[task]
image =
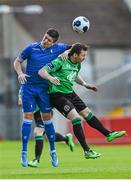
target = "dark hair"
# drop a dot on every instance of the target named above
(53, 33)
(77, 48)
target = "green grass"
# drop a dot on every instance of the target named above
(114, 164)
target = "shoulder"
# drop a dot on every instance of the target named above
(34, 44)
(25, 53)
(62, 45)
(31, 45)
(58, 61)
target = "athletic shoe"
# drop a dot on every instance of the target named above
(24, 159)
(114, 135)
(54, 159)
(34, 163)
(70, 141)
(92, 154)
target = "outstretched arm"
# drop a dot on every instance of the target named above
(81, 82)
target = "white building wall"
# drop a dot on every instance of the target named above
(14, 35)
(109, 57)
(107, 60)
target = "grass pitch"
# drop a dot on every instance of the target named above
(114, 164)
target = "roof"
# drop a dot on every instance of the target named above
(110, 21)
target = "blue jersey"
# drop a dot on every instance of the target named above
(37, 56)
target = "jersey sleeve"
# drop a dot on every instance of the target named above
(25, 53)
(55, 65)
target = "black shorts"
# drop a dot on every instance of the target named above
(64, 103)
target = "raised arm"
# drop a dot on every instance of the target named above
(81, 82)
(64, 55)
(64, 49)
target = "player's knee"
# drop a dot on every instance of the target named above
(85, 113)
(28, 115)
(38, 131)
(46, 116)
(73, 114)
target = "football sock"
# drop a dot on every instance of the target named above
(38, 147)
(95, 123)
(59, 137)
(25, 130)
(78, 131)
(50, 132)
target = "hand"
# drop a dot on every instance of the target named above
(22, 78)
(92, 87)
(54, 80)
(64, 55)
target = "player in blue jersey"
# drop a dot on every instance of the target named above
(34, 88)
(39, 135)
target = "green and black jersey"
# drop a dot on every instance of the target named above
(66, 72)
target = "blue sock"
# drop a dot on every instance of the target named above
(50, 132)
(25, 130)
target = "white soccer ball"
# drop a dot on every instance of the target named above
(81, 24)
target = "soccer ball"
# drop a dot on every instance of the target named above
(81, 24)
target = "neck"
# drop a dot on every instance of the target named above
(73, 60)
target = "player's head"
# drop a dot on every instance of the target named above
(78, 52)
(50, 37)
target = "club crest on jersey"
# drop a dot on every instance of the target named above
(50, 65)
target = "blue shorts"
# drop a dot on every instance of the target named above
(33, 95)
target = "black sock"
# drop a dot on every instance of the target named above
(37, 116)
(59, 137)
(78, 131)
(95, 123)
(38, 147)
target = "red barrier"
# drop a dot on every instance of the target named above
(116, 124)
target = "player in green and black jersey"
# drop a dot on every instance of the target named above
(61, 76)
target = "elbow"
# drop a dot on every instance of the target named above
(16, 63)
